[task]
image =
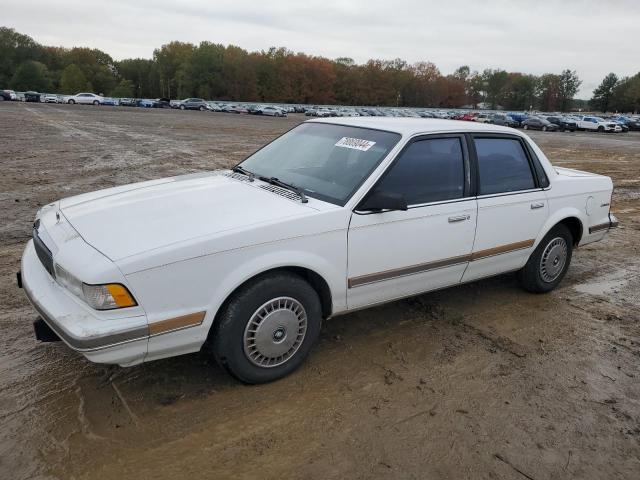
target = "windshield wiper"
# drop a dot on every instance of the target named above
(288, 186)
(239, 169)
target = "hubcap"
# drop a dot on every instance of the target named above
(275, 332)
(553, 259)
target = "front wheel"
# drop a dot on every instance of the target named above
(601, 129)
(544, 128)
(268, 328)
(182, 107)
(526, 127)
(549, 262)
(201, 108)
(71, 102)
(96, 102)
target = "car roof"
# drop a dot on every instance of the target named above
(409, 126)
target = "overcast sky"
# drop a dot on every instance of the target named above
(594, 37)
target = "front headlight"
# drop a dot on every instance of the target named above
(101, 297)
(107, 297)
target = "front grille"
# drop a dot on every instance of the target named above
(44, 254)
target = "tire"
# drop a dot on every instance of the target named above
(182, 107)
(600, 129)
(71, 102)
(201, 108)
(549, 262)
(96, 103)
(271, 358)
(526, 127)
(544, 128)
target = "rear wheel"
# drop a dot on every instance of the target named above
(268, 328)
(201, 108)
(544, 128)
(182, 107)
(71, 101)
(549, 262)
(526, 127)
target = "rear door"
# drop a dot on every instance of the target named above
(393, 254)
(512, 204)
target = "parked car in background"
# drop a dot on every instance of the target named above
(598, 124)
(272, 111)
(468, 117)
(332, 217)
(323, 113)
(565, 124)
(161, 103)
(86, 99)
(194, 104)
(8, 95)
(49, 98)
(518, 117)
(504, 120)
(32, 96)
(112, 102)
(483, 118)
(539, 123)
(144, 103)
(631, 123)
(128, 102)
(237, 109)
(623, 126)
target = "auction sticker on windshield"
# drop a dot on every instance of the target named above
(355, 143)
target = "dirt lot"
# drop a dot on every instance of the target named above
(480, 381)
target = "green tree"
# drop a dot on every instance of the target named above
(73, 81)
(31, 75)
(123, 90)
(568, 85)
(601, 99)
(15, 48)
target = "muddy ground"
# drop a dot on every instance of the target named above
(479, 381)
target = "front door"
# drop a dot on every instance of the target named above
(393, 254)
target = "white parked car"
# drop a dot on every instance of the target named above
(49, 98)
(335, 215)
(86, 99)
(272, 111)
(598, 124)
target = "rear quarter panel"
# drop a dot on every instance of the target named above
(582, 195)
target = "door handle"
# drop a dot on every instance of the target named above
(459, 218)
(537, 205)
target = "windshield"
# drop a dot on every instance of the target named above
(328, 162)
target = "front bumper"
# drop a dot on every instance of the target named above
(121, 340)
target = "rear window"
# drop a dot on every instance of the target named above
(503, 166)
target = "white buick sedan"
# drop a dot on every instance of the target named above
(333, 216)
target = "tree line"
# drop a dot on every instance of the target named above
(227, 72)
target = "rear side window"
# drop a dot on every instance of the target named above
(503, 166)
(427, 171)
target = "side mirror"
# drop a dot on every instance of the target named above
(380, 200)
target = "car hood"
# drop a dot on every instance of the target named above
(129, 220)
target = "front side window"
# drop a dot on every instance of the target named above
(326, 161)
(503, 166)
(430, 170)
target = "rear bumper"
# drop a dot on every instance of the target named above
(120, 340)
(612, 223)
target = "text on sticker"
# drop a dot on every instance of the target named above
(355, 143)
